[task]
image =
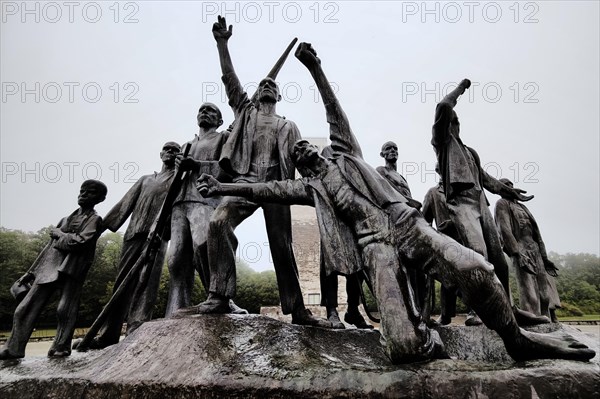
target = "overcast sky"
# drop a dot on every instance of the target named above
(93, 90)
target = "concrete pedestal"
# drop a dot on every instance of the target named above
(251, 356)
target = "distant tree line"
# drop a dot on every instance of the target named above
(578, 282)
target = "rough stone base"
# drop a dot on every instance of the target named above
(231, 356)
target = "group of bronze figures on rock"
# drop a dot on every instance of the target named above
(371, 230)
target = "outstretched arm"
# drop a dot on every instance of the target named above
(452, 97)
(222, 34)
(286, 192)
(340, 134)
(497, 187)
(119, 213)
(444, 114)
(235, 92)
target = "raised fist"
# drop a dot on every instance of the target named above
(220, 31)
(307, 54)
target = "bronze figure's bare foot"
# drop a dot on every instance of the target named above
(529, 345)
(525, 318)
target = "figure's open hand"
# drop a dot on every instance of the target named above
(220, 31)
(518, 195)
(207, 185)
(307, 54)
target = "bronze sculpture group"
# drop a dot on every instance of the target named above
(368, 222)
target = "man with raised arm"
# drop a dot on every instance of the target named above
(464, 181)
(369, 225)
(257, 151)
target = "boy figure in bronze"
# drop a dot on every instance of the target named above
(364, 221)
(62, 265)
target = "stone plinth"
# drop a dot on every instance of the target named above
(252, 356)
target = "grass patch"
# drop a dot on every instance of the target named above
(580, 318)
(38, 333)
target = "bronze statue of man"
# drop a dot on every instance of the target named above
(389, 152)
(436, 209)
(256, 151)
(329, 289)
(61, 266)
(523, 243)
(464, 181)
(142, 203)
(191, 212)
(369, 225)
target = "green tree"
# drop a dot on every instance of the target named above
(255, 289)
(578, 282)
(160, 307)
(18, 251)
(98, 285)
(370, 302)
